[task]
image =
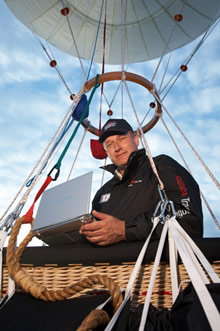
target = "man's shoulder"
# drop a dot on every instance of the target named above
(167, 162)
(166, 159)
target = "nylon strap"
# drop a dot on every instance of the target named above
(205, 298)
(173, 267)
(153, 277)
(132, 277)
(28, 216)
(208, 267)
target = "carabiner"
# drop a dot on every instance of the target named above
(56, 175)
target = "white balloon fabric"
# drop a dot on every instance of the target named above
(148, 25)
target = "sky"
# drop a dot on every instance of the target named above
(34, 100)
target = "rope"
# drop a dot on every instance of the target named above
(202, 195)
(124, 32)
(77, 153)
(103, 70)
(188, 59)
(50, 58)
(153, 166)
(39, 291)
(74, 41)
(166, 46)
(96, 39)
(103, 172)
(94, 319)
(58, 164)
(188, 142)
(26, 194)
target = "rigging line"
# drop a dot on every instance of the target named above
(58, 164)
(148, 112)
(186, 165)
(59, 139)
(210, 211)
(74, 41)
(122, 101)
(77, 153)
(124, 31)
(96, 39)
(26, 194)
(165, 72)
(24, 198)
(51, 160)
(49, 57)
(188, 142)
(61, 135)
(57, 68)
(153, 166)
(115, 94)
(166, 46)
(103, 172)
(188, 59)
(103, 70)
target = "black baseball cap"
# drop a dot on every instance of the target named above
(114, 126)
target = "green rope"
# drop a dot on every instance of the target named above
(58, 164)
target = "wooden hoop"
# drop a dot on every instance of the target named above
(118, 75)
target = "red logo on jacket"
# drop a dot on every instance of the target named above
(182, 187)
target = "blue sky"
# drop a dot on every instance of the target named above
(33, 101)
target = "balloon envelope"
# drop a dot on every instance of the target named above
(149, 25)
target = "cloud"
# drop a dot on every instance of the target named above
(34, 101)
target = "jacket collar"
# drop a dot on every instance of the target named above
(132, 163)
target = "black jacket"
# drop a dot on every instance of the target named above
(134, 197)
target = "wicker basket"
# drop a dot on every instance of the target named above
(55, 277)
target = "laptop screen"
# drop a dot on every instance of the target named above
(63, 207)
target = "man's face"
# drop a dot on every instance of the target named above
(119, 148)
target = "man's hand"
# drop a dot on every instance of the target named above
(108, 230)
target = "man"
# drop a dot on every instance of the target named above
(124, 205)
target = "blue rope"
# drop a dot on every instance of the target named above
(93, 54)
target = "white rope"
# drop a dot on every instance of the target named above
(77, 153)
(59, 129)
(133, 277)
(50, 58)
(167, 44)
(189, 58)
(144, 138)
(188, 142)
(74, 41)
(103, 172)
(124, 38)
(24, 198)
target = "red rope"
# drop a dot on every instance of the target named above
(28, 216)
(103, 70)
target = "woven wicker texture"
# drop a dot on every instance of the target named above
(58, 277)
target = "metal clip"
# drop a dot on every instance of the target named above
(11, 218)
(57, 173)
(163, 206)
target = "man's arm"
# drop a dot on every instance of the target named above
(183, 190)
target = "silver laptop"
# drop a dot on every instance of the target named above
(62, 210)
